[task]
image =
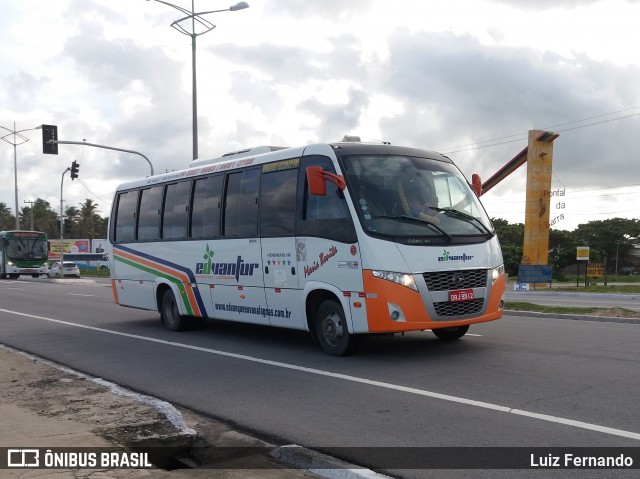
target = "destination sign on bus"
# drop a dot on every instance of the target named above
(26, 234)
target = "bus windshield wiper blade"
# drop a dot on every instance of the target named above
(469, 218)
(410, 219)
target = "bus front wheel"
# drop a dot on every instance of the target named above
(331, 329)
(170, 314)
(451, 334)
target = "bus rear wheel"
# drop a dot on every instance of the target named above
(331, 330)
(170, 314)
(451, 334)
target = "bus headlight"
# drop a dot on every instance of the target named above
(496, 273)
(403, 279)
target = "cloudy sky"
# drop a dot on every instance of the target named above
(468, 78)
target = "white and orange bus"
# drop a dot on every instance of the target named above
(341, 240)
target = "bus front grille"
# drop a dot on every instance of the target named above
(448, 308)
(456, 279)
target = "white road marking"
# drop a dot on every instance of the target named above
(79, 294)
(420, 392)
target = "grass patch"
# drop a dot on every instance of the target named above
(612, 288)
(598, 288)
(94, 273)
(593, 311)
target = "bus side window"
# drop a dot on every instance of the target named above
(324, 216)
(241, 204)
(278, 203)
(205, 210)
(126, 216)
(149, 215)
(176, 210)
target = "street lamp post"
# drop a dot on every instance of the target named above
(62, 221)
(206, 26)
(18, 139)
(617, 245)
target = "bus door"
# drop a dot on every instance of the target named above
(327, 253)
(277, 231)
(237, 289)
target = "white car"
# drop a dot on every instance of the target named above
(69, 268)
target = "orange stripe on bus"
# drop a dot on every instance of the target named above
(114, 289)
(171, 272)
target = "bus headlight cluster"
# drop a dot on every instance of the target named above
(403, 279)
(497, 272)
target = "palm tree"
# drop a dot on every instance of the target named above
(90, 224)
(7, 220)
(45, 219)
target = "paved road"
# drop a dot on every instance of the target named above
(555, 298)
(516, 382)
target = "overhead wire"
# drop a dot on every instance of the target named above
(520, 136)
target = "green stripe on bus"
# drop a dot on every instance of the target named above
(161, 274)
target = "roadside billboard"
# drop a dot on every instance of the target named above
(69, 246)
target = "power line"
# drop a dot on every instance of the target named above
(94, 195)
(522, 136)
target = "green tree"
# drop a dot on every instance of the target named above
(71, 221)
(44, 218)
(7, 220)
(606, 237)
(511, 240)
(562, 250)
(90, 225)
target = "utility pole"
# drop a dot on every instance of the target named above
(31, 208)
(62, 221)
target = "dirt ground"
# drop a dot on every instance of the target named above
(198, 446)
(66, 395)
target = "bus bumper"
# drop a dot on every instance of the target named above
(393, 308)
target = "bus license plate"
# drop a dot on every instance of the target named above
(461, 295)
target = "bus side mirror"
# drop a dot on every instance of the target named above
(316, 177)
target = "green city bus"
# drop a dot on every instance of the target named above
(23, 252)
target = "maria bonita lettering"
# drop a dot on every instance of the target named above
(322, 259)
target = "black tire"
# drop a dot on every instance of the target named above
(35, 275)
(331, 330)
(14, 276)
(451, 334)
(170, 314)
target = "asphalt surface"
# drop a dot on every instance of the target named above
(263, 342)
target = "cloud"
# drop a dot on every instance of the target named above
(336, 120)
(324, 8)
(551, 4)
(455, 88)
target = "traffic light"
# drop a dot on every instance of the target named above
(74, 170)
(49, 134)
(67, 226)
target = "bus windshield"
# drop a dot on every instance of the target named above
(24, 248)
(406, 198)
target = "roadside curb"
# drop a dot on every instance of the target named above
(578, 317)
(320, 464)
(73, 281)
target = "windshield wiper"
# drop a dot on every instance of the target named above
(409, 219)
(466, 216)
